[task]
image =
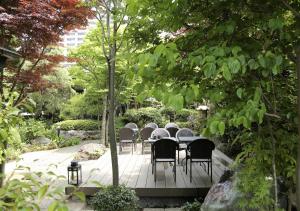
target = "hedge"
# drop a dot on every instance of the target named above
(79, 124)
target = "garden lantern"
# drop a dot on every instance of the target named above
(74, 173)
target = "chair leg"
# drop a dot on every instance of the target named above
(191, 170)
(132, 144)
(186, 163)
(178, 157)
(142, 147)
(175, 170)
(154, 171)
(211, 171)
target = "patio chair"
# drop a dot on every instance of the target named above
(200, 151)
(145, 134)
(135, 129)
(171, 124)
(172, 131)
(159, 133)
(164, 150)
(152, 124)
(131, 125)
(183, 132)
(127, 137)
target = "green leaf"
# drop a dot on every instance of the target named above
(236, 50)
(262, 61)
(209, 69)
(234, 65)
(80, 195)
(252, 64)
(42, 191)
(221, 127)
(53, 206)
(226, 73)
(239, 92)
(176, 101)
(214, 127)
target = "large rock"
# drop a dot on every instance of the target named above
(222, 196)
(82, 134)
(91, 151)
(41, 141)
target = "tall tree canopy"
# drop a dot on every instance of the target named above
(31, 27)
(240, 57)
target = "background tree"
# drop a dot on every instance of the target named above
(32, 27)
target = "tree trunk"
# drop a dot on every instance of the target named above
(298, 148)
(2, 164)
(111, 62)
(103, 123)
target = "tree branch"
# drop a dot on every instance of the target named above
(295, 12)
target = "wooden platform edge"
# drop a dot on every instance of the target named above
(148, 192)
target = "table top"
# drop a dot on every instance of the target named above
(187, 139)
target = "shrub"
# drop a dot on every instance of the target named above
(118, 198)
(195, 206)
(80, 124)
(63, 142)
(142, 116)
(185, 114)
(31, 129)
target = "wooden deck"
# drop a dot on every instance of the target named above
(135, 172)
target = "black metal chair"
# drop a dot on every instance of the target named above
(171, 124)
(152, 124)
(159, 133)
(135, 129)
(183, 132)
(132, 126)
(164, 150)
(145, 134)
(127, 137)
(200, 151)
(172, 131)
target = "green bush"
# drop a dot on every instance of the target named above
(195, 206)
(184, 114)
(31, 129)
(118, 198)
(63, 142)
(143, 116)
(79, 124)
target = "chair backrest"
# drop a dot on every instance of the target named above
(172, 131)
(131, 125)
(126, 134)
(184, 132)
(160, 133)
(201, 149)
(165, 148)
(171, 124)
(152, 124)
(146, 133)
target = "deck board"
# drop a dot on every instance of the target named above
(135, 171)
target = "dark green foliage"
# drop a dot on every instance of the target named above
(143, 116)
(184, 115)
(194, 206)
(119, 198)
(31, 129)
(79, 124)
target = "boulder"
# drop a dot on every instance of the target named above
(82, 134)
(223, 195)
(91, 151)
(41, 141)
